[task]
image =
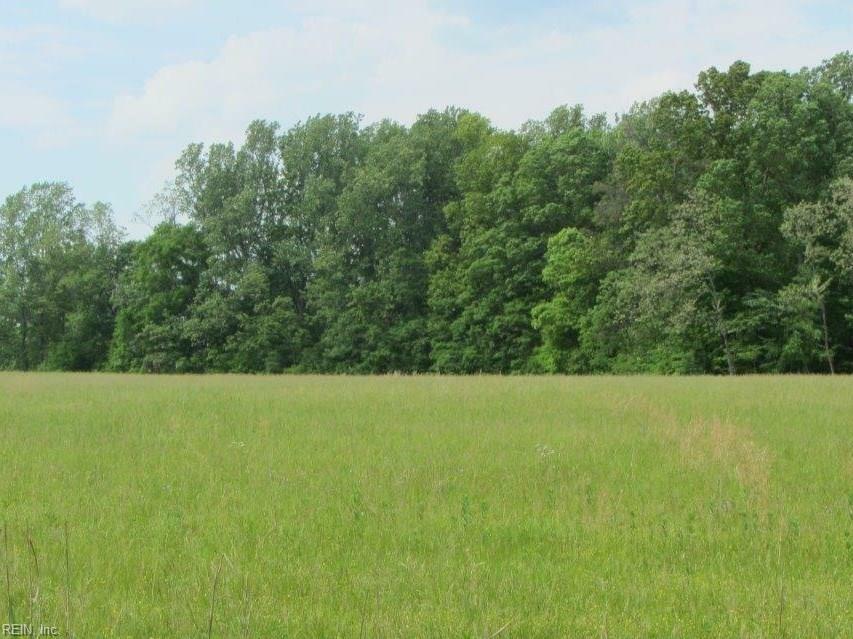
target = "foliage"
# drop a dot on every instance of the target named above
(58, 264)
(702, 231)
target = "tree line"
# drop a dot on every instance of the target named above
(704, 231)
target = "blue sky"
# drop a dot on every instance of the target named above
(104, 94)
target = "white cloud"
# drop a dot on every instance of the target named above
(24, 108)
(399, 60)
(46, 120)
(30, 57)
(26, 51)
(326, 64)
(124, 10)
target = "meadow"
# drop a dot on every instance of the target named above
(310, 506)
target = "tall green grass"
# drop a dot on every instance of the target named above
(231, 506)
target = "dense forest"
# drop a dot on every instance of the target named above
(705, 231)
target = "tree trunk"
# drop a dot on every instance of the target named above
(729, 359)
(826, 349)
(721, 328)
(25, 345)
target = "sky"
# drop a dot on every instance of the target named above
(104, 94)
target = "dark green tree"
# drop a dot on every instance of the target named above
(153, 301)
(57, 271)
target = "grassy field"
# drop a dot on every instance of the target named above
(231, 506)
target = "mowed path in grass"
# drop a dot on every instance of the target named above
(427, 506)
